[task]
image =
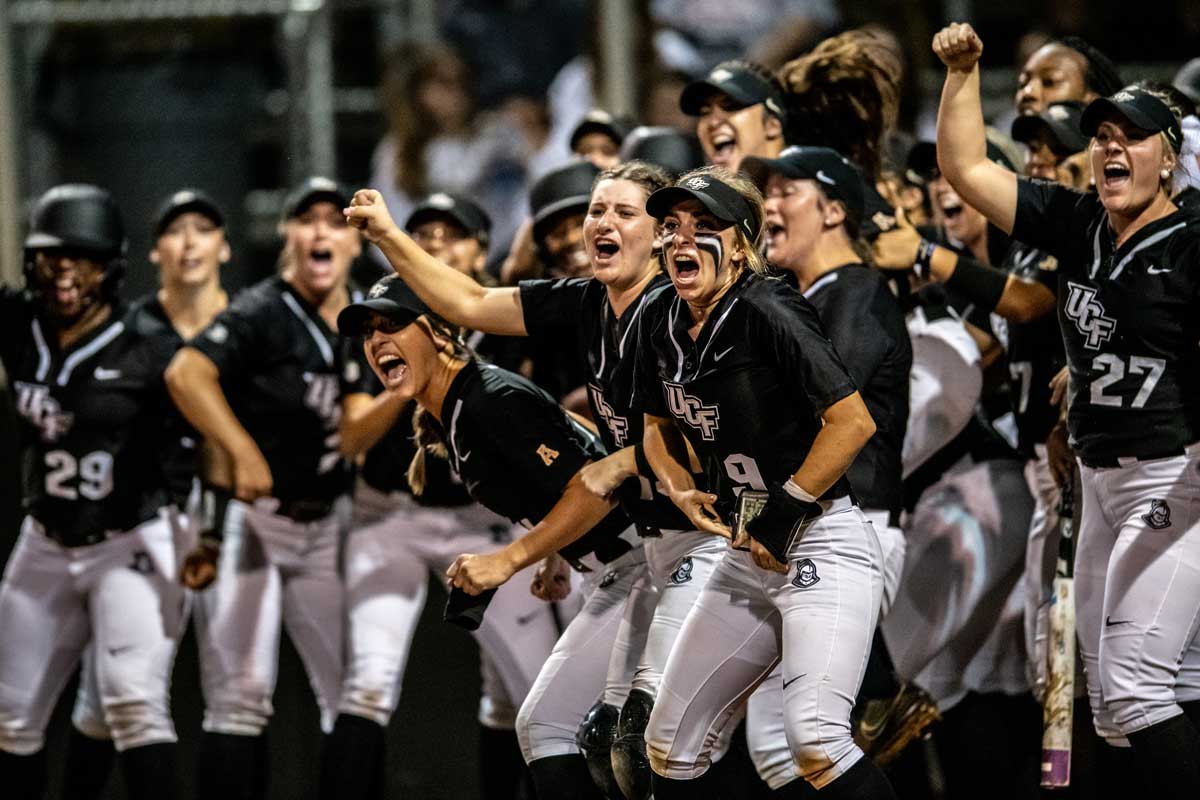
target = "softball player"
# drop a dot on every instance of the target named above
(740, 366)
(518, 453)
(398, 536)
(1125, 307)
(96, 558)
(621, 242)
(268, 381)
(739, 111)
(189, 249)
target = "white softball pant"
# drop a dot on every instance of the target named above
(272, 569)
(818, 619)
(393, 546)
(957, 623)
(1137, 584)
(120, 595)
(589, 661)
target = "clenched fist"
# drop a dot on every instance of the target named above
(370, 214)
(958, 46)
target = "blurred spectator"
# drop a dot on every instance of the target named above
(1187, 80)
(696, 35)
(674, 150)
(598, 137)
(438, 140)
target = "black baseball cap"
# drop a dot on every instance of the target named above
(315, 189)
(389, 297)
(614, 126)
(458, 209)
(1061, 119)
(839, 179)
(183, 201)
(722, 201)
(567, 188)
(739, 82)
(922, 158)
(674, 150)
(1139, 107)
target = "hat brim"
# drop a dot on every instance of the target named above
(577, 202)
(352, 320)
(691, 100)
(1100, 108)
(423, 215)
(46, 241)
(759, 169)
(1025, 129)
(201, 207)
(310, 199)
(591, 126)
(659, 204)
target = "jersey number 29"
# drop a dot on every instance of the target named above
(743, 471)
(68, 477)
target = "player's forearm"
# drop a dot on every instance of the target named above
(575, 513)
(451, 294)
(848, 426)
(194, 384)
(1013, 298)
(666, 452)
(962, 151)
(366, 419)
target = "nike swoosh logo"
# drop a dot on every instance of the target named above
(823, 178)
(465, 456)
(102, 374)
(1157, 271)
(723, 353)
(528, 618)
(1110, 622)
(113, 652)
(793, 680)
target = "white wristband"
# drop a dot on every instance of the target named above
(797, 491)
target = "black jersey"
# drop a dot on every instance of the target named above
(1129, 322)
(99, 436)
(749, 391)
(1035, 351)
(580, 307)
(285, 373)
(517, 449)
(866, 325)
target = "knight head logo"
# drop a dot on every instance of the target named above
(806, 574)
(1159, 515)
(682, 573)
(608, 580)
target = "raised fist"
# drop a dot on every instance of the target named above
(958, 46)
(369, 214)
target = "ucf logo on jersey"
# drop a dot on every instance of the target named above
(617, 425)
(1087, 313)
(35, 404)
(689, 409)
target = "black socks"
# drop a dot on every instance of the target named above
(352, 763)
(564, 778)
(232, 767)
(1169, 753)
(89, 763)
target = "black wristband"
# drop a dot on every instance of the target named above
(780, 520)
(643, 464)
(978, 283)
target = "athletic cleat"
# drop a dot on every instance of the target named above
(888, 726)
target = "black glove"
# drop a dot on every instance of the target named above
(777, 524)
(466, 610)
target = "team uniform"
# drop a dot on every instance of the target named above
(97, 559)
(747, 395)
(1128, 322)
(396, 540)
(515, 450)
(284, 373)
(679, 560)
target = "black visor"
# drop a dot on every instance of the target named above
(389, 298)
(722, 201)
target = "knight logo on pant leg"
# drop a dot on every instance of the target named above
(806, 574)
(682, 573)
(1159, 516)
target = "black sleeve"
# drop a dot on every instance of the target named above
(356, 374)
(788, 329)
(857, 322)
(1048, 214)
(534, 437)
(233, 340)
(552, 306)
(15, 311)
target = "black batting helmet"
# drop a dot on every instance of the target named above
(566, 189)
(83, 218)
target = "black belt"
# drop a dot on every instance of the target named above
(304, 509)
(1113, 462)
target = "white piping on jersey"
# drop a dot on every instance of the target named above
(674, 315)
(313, 331)
(630, 324)
(1096, 250)
(824, 280)
(458, 460)
(1149, 240)
(43, 351)
(87, 351)
(475, 339)
(712, 336)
